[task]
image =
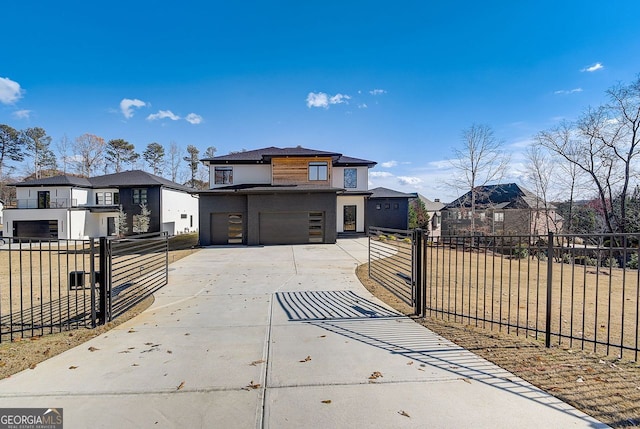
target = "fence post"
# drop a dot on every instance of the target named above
(547, 338)
(92, 268)
(104, 279)
(418, 268)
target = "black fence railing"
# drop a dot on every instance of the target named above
(46, 286)
(55, 285)
(578, 291)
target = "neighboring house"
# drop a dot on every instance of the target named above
(283, 196)
(435, 216)
(76, 207)
(387, 208)
(506, 209)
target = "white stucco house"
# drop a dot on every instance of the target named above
(70, 207)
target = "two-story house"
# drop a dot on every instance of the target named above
(433, 208)
(76, 207)
(387, 208)
(506, 209)
(283, 196)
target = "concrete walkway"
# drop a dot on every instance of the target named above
(278, 337)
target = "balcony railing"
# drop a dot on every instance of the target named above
(54, 203)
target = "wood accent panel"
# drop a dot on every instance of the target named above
(295, 171)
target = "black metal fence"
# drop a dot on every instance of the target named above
(575, 291)
(54, 285)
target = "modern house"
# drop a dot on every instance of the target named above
(283, 196)
(507, 209)
(387, 208)
(435, 216)
(76, 207)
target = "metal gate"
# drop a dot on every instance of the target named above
(136, 267)
(392, 262)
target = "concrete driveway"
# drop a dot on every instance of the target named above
(279, 337)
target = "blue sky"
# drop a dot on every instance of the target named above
(393, 82)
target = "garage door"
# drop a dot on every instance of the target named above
(290, 228)
(36, 228)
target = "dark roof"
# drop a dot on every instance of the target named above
(115, 180)
(390, 193)
(62, 180)
(267, 153)
(133, 178)
(507, 196)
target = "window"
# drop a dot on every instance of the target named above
(396, 206)
(387, 206)
(139, 196)
(498, 217)
(183, 216)
(116, 198)
(318, 171)
(44, 199)
(482, 216)
(103, 198)
(223, 175)
(350, 178)
(378, 206)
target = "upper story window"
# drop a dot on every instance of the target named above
(498, 217)
(318, 170)
(139, 196)
(107, 198)
(223, 175)
(350, 178)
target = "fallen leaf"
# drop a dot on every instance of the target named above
(92, 349)
(252, 385)
(169, 351)
(256, 362)
(33, 366)
(580, 380)
(134, 364)
(322, 336)
(326, 401)
(466, 380)
(180, 386)
(410, 363)
(374, 375)
(404, 413)
(307, 359)
(131, 331)
(73, 367)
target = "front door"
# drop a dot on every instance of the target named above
(349, 219)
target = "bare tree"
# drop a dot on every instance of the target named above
(89, 150)
(479, 161)
(604, 145)
(539, 174)
(174, 160)
(64, 148)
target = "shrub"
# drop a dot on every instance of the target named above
(407, 240)
(520, 251)
(611, 263)
(633, 261)
(392, 238)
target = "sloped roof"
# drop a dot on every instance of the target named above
(431, 206)
(115, 180)
(390, 193)
(508, 196)
(267, 153)
(61, 180)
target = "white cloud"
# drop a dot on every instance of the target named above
(409, 180)
(127, 105)
(377, 92)
(321, 99)
(339, 99)
(568, 91)
(162, 114)
(380, 174)
(193, 118)
(389, 164)
(362, 106)
(22, 114)
(595, 67)
(10, 91)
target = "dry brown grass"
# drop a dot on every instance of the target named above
(603, 387)
(590, 303)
